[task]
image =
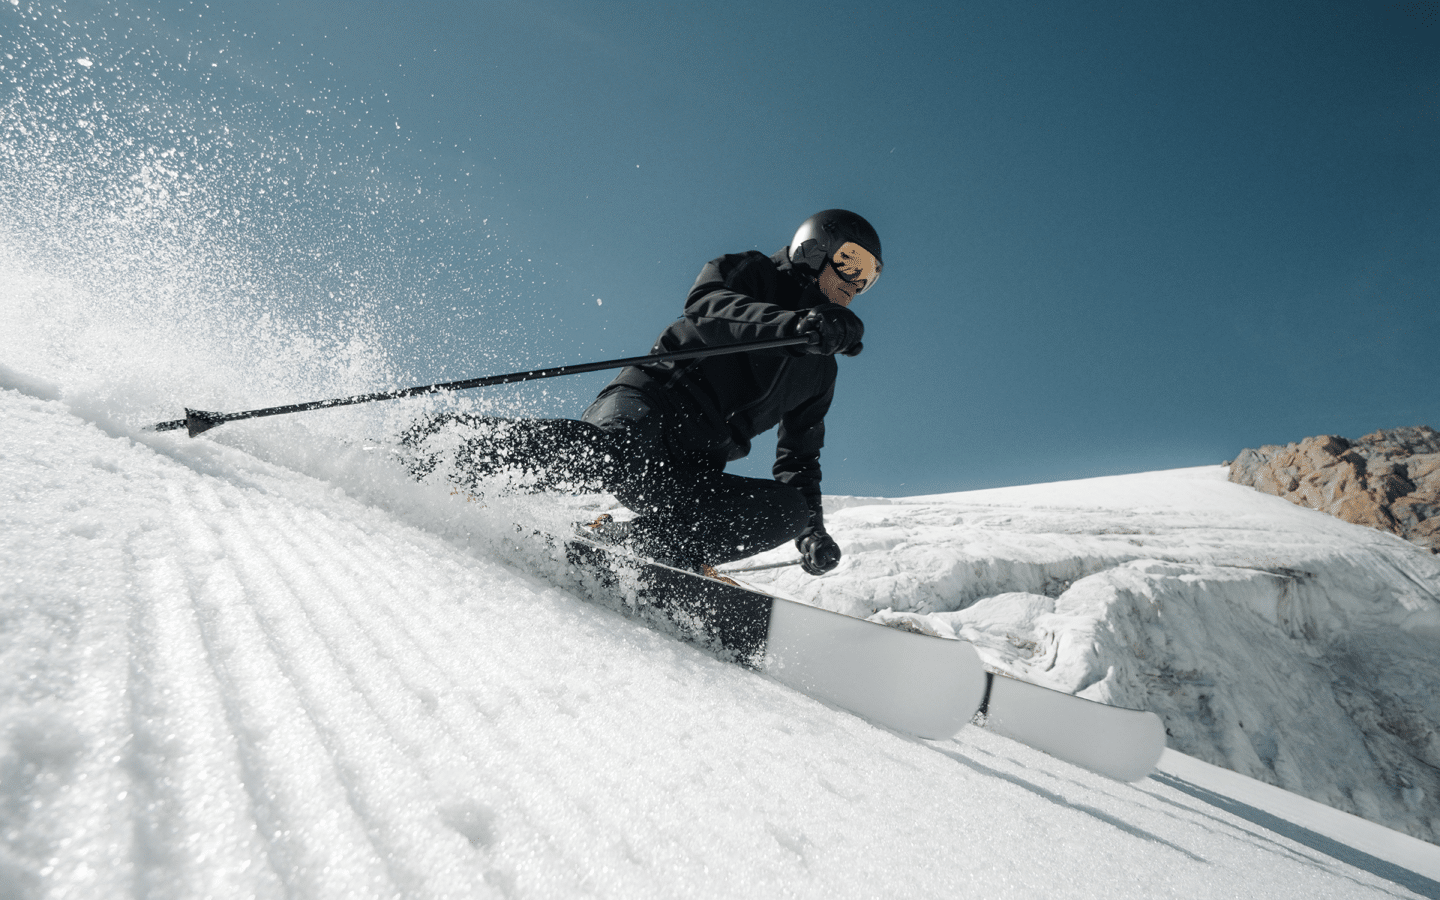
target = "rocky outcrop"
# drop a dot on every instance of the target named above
(1388, 480)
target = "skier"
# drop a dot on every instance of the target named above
(659, 435)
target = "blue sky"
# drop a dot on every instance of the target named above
(1118, 236)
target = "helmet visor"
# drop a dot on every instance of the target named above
(856, 265)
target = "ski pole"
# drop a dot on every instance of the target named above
(197, 421)
(779, 565)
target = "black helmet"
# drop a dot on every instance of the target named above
(822, 235)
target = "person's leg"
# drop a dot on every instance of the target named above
(716, 518)
(689, 511)
(535, 454)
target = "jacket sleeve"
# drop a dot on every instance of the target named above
(733, 301)
(797, 452)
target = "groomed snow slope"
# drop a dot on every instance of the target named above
(266, 665)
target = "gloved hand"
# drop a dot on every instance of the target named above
(818, 552)
(840, 330)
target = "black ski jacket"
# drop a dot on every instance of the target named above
(724, 401)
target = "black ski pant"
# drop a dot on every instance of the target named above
(689, 510)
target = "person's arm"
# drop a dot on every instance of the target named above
(797, 452)
(732, 301)
(797, 462)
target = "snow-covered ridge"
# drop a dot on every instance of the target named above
(1273, 640)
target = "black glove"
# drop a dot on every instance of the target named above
(818, 552)
(840, 330)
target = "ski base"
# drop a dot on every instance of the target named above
(1124, 744)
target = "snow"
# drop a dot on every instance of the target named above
(1272, 640)
(266, 663)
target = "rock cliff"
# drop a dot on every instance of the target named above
(1388, 480)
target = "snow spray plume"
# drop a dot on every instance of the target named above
(175, 218)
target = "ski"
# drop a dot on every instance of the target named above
(1124, 744)
(916, 683)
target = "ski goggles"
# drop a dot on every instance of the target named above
(856, 265)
